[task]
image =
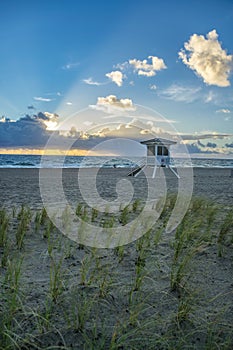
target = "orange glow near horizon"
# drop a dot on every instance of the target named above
(52, 152)
(42, 152)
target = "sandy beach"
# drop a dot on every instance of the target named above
(162, 291)
(21, 186)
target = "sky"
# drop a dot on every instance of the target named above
(99, 69)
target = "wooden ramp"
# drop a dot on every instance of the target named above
(135, 171)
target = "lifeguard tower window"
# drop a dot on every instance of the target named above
(162, 151)
(150, 151)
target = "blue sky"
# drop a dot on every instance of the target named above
(55, 56)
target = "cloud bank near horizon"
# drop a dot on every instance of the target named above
(31, 132)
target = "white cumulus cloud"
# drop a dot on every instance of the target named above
(146, 68)
(223, 110)
(42, 99)
(89, 81)
(153, 87)
(111, 103)
(116, 77)
(180, 93)
(206, 57)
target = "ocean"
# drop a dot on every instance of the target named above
(34, 161)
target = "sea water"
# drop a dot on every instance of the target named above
(36, 161)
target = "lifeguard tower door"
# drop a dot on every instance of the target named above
(162, 156)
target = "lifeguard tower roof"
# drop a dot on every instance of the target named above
(158, 141)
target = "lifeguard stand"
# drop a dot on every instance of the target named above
(158, 155)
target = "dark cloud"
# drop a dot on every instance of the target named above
(31, 107)
(204, 136)
(41, 116)
(46, 116)
(229, 145)
(30, 131)
(211, 145)
(195, 148)
(27, 131)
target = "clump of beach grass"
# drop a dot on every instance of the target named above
(4, 222)
(225, 236)
(24, 218)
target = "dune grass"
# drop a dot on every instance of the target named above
(163, 291)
